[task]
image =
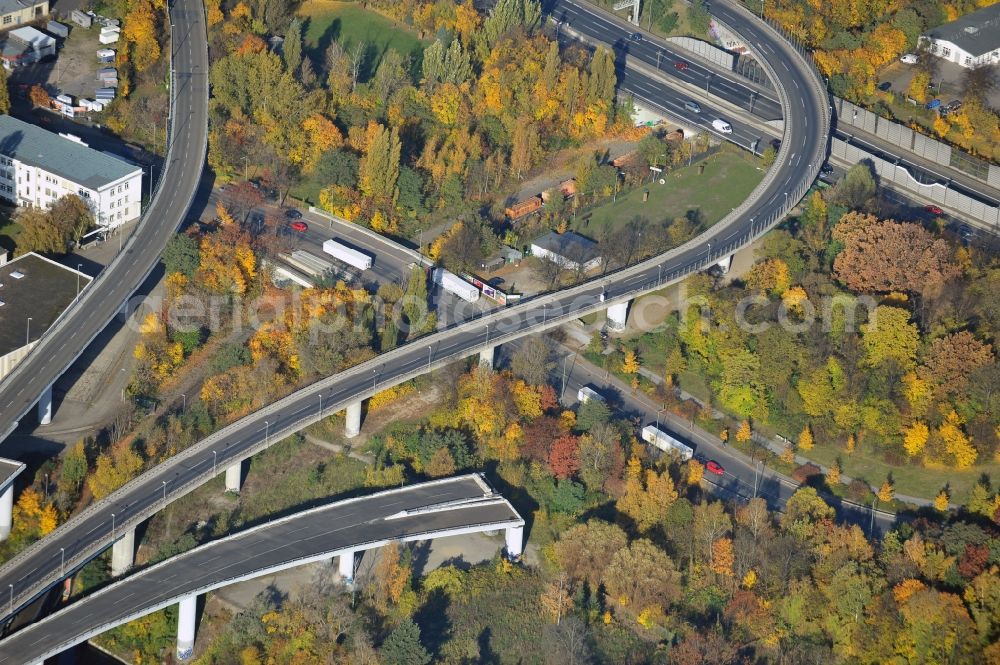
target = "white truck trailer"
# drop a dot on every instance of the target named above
(454, 284)
(348, 255)
(586, 393)
(660, 439)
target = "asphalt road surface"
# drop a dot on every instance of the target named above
(39, 567)
(98, 304)
(305, 536)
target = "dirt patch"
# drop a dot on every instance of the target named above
(562, 164)
(74, 71)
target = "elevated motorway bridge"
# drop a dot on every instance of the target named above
(450, 507)
(113, 520)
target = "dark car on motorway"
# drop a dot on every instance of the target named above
(636, 36)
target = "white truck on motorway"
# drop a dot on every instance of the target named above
(348, 255)
(452, 283)
(657, 437)
(586, 393)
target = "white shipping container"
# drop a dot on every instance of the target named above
(665, 442)
(348, 255)
(587, 393)
(454, 284)
(109, 38)
(110, 28)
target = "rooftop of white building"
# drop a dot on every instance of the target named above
(60, 156)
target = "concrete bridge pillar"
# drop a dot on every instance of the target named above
(346, 567)
(486, 356)
(123, 553)
(515, 541)
(186, 615)
(45, 407)
(352, 424)
(725, 263)
(618, 315)
(6, 511)
(234, 477)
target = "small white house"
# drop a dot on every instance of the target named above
(970, 41)
(26, 46)
(569, 250)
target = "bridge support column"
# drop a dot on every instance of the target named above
(346, 567)
(352, 424)
(515, 541)
(186, 615)
(123, 554)
(234, 477)
(618, 315)
(6, 511)
(486, 357)
(45, 407)
(725, 263)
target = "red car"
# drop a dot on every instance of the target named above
(681, 65)
(934, 210)
(301, 227)
(715, 467)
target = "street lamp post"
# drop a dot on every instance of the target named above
(545, 313)
(62, 561)
(78, 266)
(164, 491)
(184, 400)
(756, 470)
(708, 81)
(320, 404)
(267, 428)
(112, 526)
(428, 357)
(11, 598)
(658, 417)
(215, 462)
(374, 379)
(27, 333)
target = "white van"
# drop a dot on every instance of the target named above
(909, 58)
(721, 125)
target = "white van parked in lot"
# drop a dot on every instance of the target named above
(721, 125)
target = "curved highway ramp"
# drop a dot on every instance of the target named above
(448, 507)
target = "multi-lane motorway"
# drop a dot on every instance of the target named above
(82, 322)
(455, 505)
(806, 128)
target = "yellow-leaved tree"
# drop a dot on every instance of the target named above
(915, 438)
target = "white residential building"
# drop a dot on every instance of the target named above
(38, 167)
(971, 41)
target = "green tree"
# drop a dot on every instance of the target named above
(291, 49)
(889, 335)
(699, 18)
(856, 188)
(181, 255)
(602, 77)
(4, 93)
(74, 469)
(415, 312)
(378, 170)
(403, 646)
(592, 412)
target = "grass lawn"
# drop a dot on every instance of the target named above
(8, 228)
(727, 179)
(327, 21)
(912, 480)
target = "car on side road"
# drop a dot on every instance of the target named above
(933, 209)
(933, 104)
(299, 226)
(909, 58)
(292, 213)
(722, 126)
(885, 86)
(714, 467)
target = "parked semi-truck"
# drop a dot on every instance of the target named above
(657, 437)
(348, 255)
(452, 283)
(586, 393)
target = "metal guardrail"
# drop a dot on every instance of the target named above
(204, 447)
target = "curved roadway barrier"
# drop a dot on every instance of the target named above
(448, 507)
(806, 109)
(79, 324)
